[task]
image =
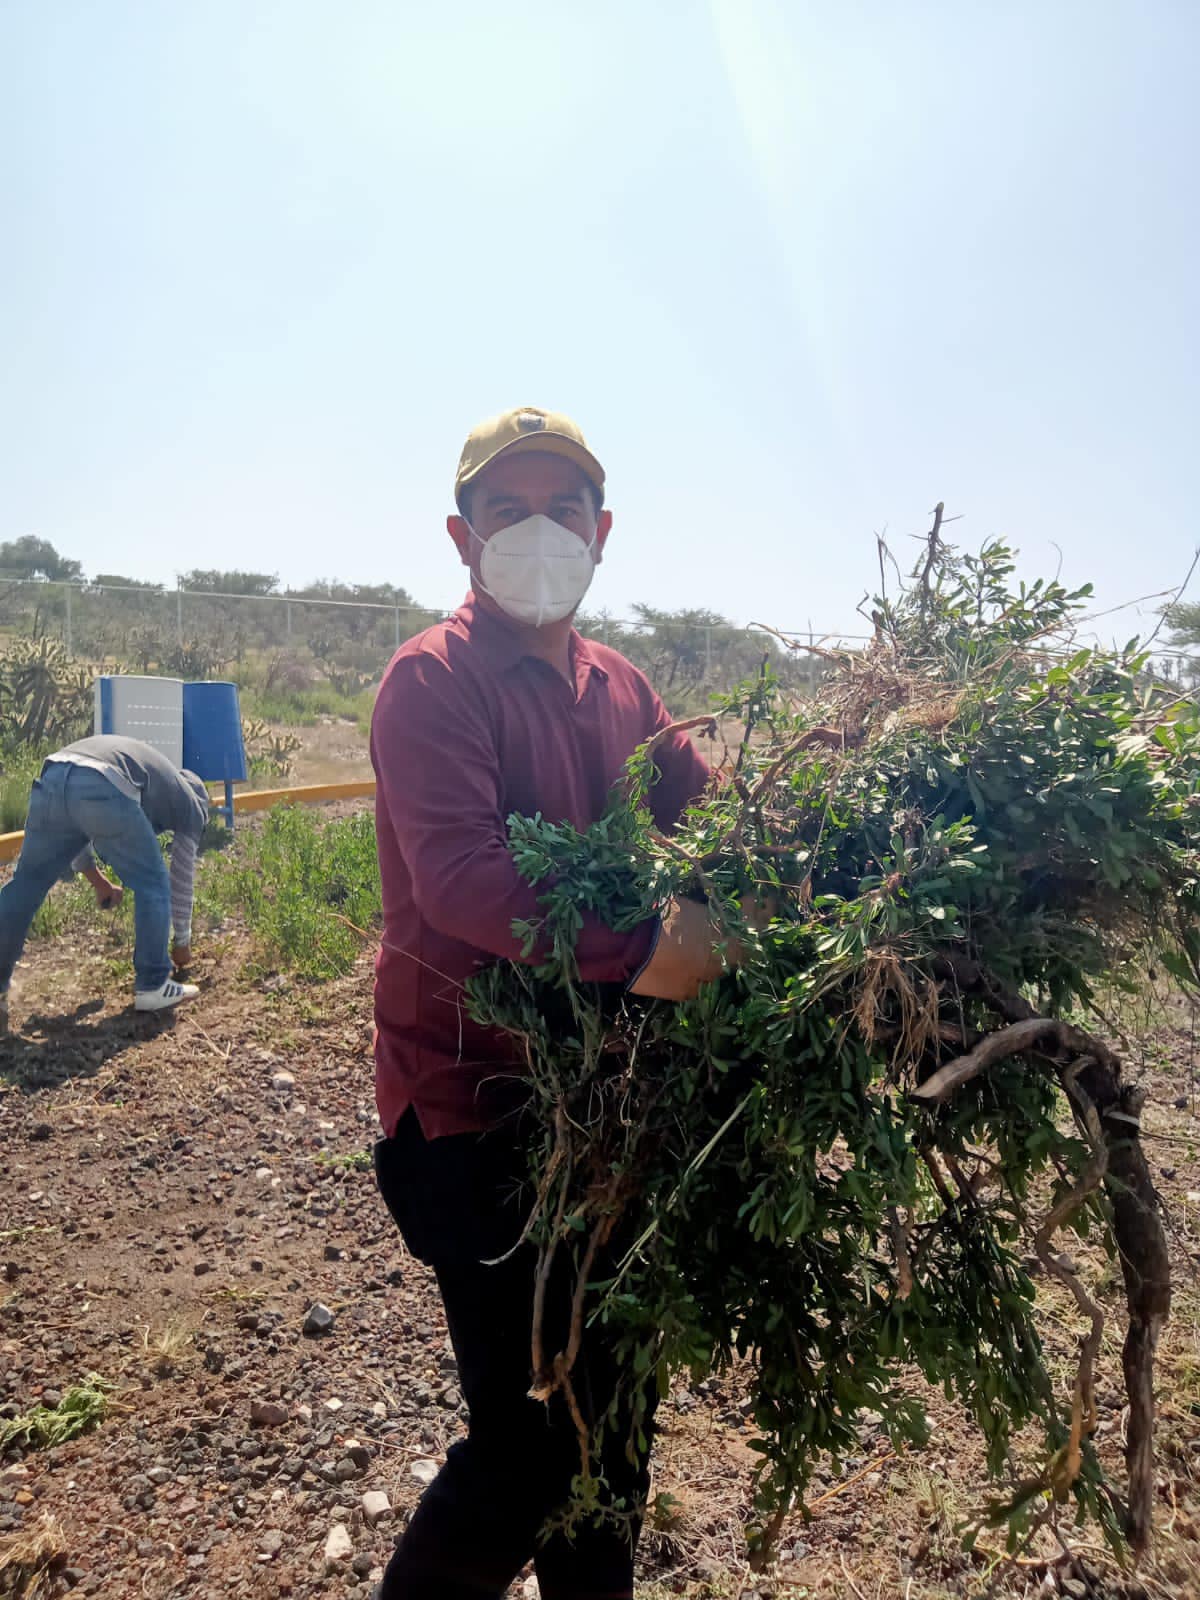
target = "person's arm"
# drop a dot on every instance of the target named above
(440, 791)
(183, 877)
(683, 773)
(108, 894)
(86, 862)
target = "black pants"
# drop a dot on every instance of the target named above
(458, 1203)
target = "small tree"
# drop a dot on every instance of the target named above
(1184, 622)
(30, 557)
(210, 581)
(114, 580)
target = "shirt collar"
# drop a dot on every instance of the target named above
(500, 643)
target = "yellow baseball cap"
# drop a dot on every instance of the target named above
(527, 428)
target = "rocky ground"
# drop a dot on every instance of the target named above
(188, 1213)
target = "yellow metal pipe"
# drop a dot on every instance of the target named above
(307, 795)
(251, 800)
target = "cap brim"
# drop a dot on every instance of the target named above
(551, 444)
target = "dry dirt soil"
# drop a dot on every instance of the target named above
(178, 1194)
(332, 750)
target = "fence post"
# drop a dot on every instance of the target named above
(708, 655)
(179, 614)
(68, 626)
(396, 615)
(289, 619)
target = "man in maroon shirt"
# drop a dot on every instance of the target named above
(504, 708)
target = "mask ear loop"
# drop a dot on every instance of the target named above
(479, 575)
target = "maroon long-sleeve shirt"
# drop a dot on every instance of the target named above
(467, 730)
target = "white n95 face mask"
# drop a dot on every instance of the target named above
(537, 571)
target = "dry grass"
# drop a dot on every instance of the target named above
(28, 1557)
(167, 1350)
(896, 1004)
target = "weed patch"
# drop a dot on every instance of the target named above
(80, 1409)
(72, 906)
(301, 708)
(164, 1352)
(308, 890)
(21, 767)
(346, 1161)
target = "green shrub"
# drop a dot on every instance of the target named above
(303, 707)
(18, 768)
(305, 887)
(82, 1408)
(840, 1160)
(72, 906)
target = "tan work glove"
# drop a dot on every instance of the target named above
(687, 954)
(689, 951)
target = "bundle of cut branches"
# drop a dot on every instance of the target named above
(845, 1160)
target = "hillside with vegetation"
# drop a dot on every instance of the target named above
(306, 660)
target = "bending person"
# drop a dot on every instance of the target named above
(112, 795)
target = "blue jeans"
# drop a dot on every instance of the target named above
(69, 807)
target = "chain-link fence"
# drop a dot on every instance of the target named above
(99, 622)
(286, 644)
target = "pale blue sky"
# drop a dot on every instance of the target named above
(798, 270)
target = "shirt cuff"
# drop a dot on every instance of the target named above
(655, 926)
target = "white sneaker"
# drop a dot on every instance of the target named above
(171, 994)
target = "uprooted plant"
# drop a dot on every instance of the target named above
(81, 1408)
(840, 1161)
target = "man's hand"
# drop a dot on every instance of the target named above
(108, 894)
(181, 955)
(687, 954)
(760, 910)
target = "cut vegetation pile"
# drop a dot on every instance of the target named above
(79, 1410)
(847, 1159)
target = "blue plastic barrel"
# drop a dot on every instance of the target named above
(212, 732)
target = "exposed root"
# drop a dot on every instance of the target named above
(1014, 1040)
(562, 1380)
(892, 995)
(1067, 1465)
(1109, 1112)
(601, 1233)
(904, 1275)
(543, 1382)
